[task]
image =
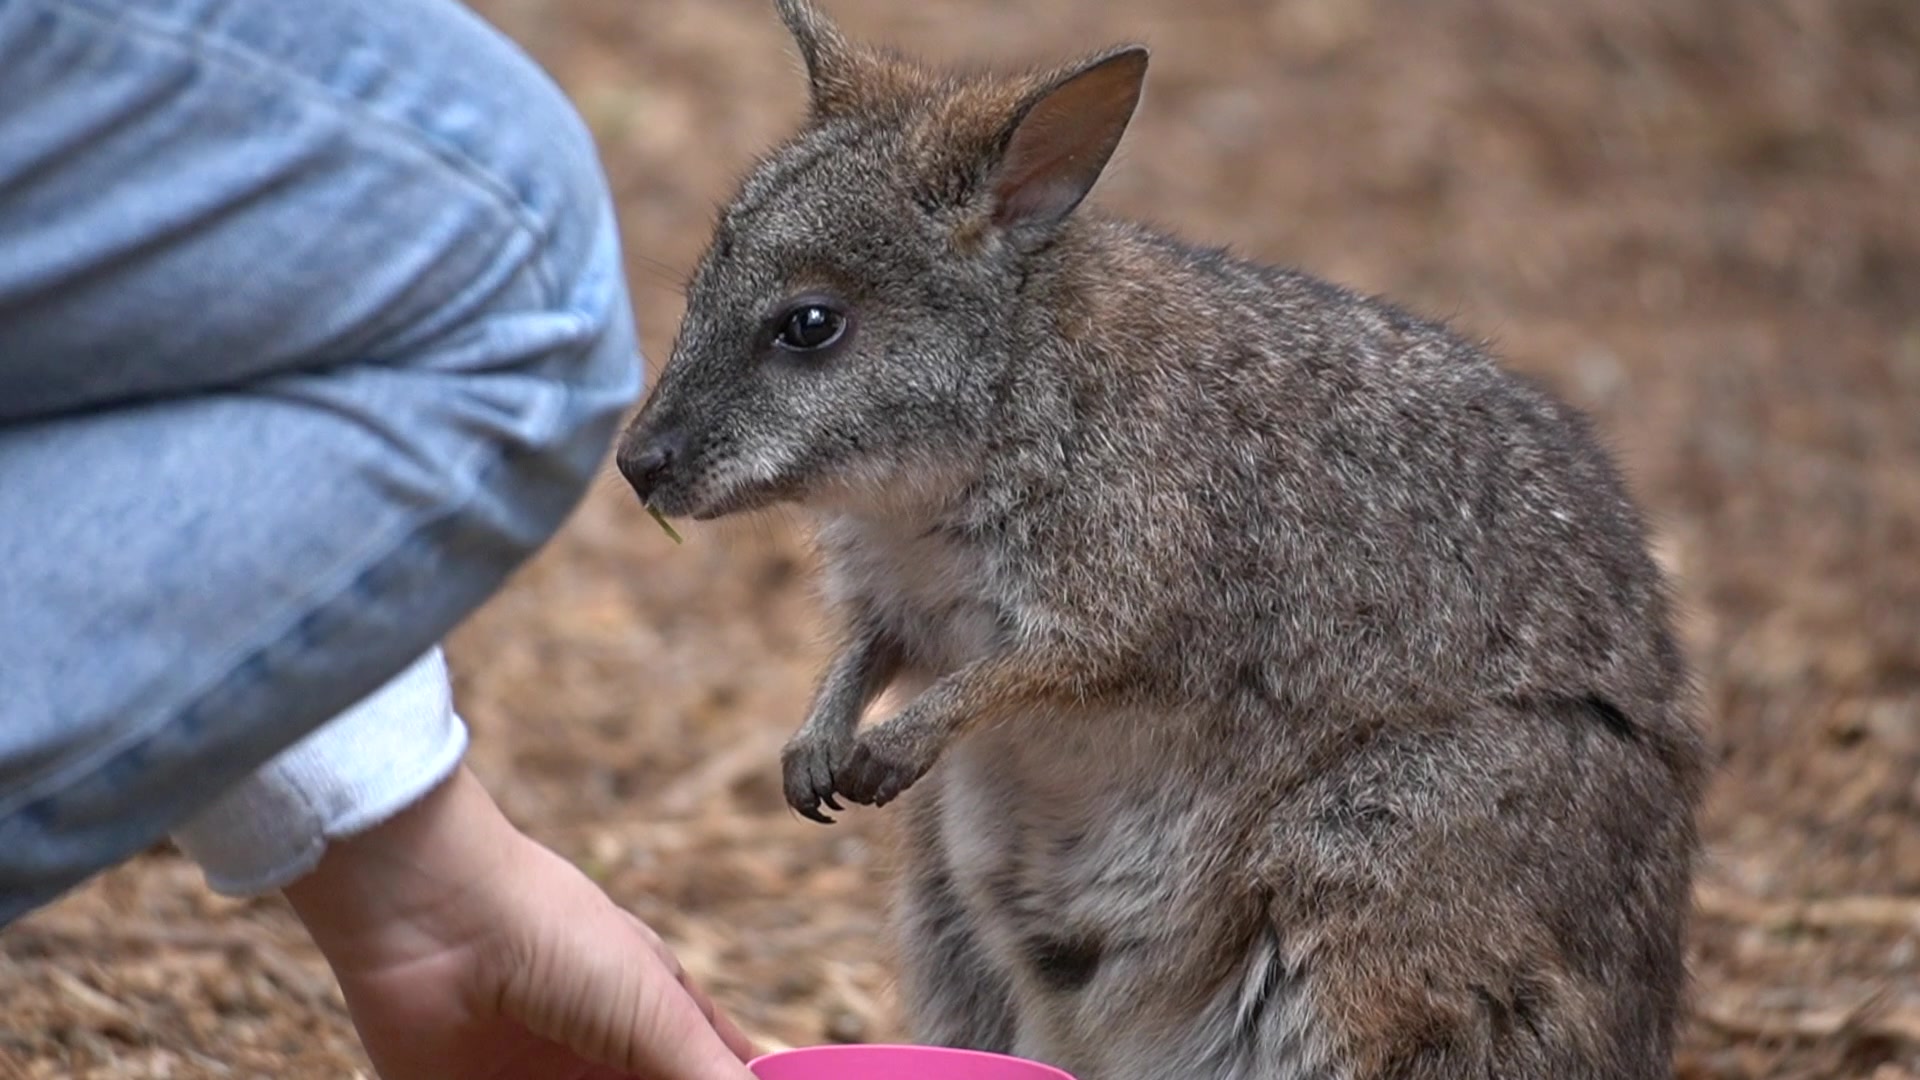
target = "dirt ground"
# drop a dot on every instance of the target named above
(1697, 218)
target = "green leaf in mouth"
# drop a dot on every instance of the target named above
(662, 519)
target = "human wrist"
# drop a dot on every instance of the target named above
(406, 888)
(353, 772)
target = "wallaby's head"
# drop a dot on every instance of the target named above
(853, 319)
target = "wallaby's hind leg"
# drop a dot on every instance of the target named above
(953, 993)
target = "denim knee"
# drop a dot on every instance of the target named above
(360, 182)
(341, 323)
(551, 173)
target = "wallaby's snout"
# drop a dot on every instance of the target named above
(688, 454)
(647, 457)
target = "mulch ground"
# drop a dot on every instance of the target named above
(1697, 219)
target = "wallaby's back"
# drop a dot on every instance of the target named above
(1356, 507)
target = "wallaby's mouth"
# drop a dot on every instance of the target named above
(743, 500)
(678, 476)
(683, 502)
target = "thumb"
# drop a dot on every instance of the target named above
(736, 1040)
(601, 984)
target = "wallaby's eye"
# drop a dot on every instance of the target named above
(810, 327)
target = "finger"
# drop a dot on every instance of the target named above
(601, 983)
(657, 943)
(679, 1034)
(723, 1025)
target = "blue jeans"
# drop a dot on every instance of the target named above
(312, 328)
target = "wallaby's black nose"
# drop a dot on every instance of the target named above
(645, 465)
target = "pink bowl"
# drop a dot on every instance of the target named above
(883, 1062)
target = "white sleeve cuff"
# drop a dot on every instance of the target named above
(351, 774)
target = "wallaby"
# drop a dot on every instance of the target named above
(1291, 690)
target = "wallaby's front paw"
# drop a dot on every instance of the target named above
(882, 764)
(807, 767)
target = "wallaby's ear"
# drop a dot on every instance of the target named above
(830, 57)
(1063, 136)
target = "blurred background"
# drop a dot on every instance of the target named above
(1696, 218)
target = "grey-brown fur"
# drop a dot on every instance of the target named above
(1293, 694)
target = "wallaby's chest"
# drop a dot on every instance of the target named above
(937, 592)
(1054, 820)
(1092, 873)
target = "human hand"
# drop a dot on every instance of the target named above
(466, 951)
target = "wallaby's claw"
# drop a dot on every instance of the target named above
(806, 767)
